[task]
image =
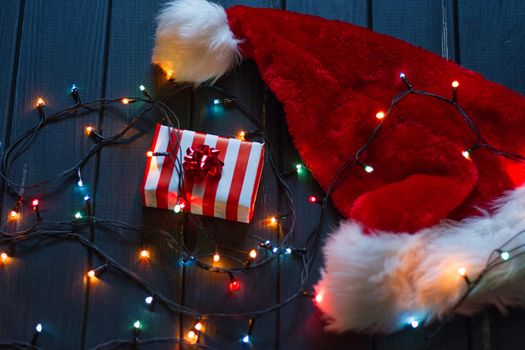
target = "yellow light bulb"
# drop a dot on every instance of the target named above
(253, 254)
(198, 326)
(40, 102)
(169, 74)
(192, 336)
(462, 271)
(149, 154)
(125, 101)
(466, 154)
(380, 115)
(89, 129)
(241, 135)
(455, 84)
(216, 257)
(144, 253)
(91, 273)
(13, 214)
(4, 257)
(273, 220)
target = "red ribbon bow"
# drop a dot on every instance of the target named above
(202, 161)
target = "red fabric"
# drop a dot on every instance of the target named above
(332, 79)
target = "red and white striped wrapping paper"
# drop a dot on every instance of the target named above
(230, 197)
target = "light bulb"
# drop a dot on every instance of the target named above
(91, 273)
(78, 215)
(80, 183)
(144, 254)
(74, 88)
(216, 257)
(275, 250)
(312, 199)
(402, 75)
(466, 154)
(234, 285)
(253, 254)
(299, 168)
(142, 87)
(216, 101)
(380, 115)
(414, 323)
(274, 219)
(125, 101)
(4, 257)
(369, 169)
(505, 256)
(169, 75)
(40, 102)
(39, 328)
(319, 298)
(177, 209)
(198, 326)
(241, 135)
(148, 300)
(455, 84)
(89, 129)
(149, 154)
(13, 214)
(288, 251)
(246, 339)
(192, 336)
(462, 271)
(35, 202)
(137, 325)
(86, 197)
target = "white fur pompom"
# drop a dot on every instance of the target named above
(383, 282)
(194, 42)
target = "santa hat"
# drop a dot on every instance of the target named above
(426, 211)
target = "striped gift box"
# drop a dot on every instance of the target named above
(231, 196)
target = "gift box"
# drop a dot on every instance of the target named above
(220, 176)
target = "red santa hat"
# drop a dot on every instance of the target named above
(426, 210)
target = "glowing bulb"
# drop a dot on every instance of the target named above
(80, 183)
(319, 298)
(78, 215)
(91, 273)
(149, 154)
(288, 251)
(86, 197)
(137, 325)
(125, 101)
(369, 169)
(312, 199)
(39, 328)
(142, 88)
(299, 168)
(380, 115)
(89, 129)
(275, 250)
(13, 214)
(455, 84)
(462, 271)
(144, 254)
(505, 256)
(178, 208)
(274, 219)
(35, 202)
(414, 323)
(4, 257)
(216, 257)
(40, 102)
(246, 339)
(216, 101)
(169, 74)
(402, 75)
(241, 134)
(192, 336)
(234, 285)
(466, 154)
(198, 326)
(74, 88)
(253, 254)
(148, 300)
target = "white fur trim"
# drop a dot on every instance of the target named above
(194, 42)
(381, 282)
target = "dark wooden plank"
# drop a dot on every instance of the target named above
(46, 282)
(116, 303)
(208, 292)
(427, 24)
(300, 322)
(492, 38)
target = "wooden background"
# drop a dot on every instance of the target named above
(105, 48)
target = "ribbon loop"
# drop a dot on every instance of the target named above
(202, 161)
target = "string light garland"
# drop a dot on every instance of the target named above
(67, 230)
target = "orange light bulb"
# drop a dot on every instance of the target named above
(125, 101)
(89, 129)
(253, 254)
(273, 220)
(192, 336)
(462, 271)
(91, 273)
(241, 135)
(149, 154)
(4, 257)
(144, 254)
(216, 257)
(40, 102)
(198, 326)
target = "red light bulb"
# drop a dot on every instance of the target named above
(35, 202)
(234, 285)
(312, 199)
